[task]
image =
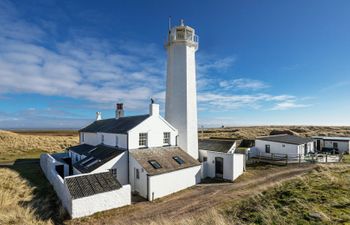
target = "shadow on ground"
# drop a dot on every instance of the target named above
(45, 203)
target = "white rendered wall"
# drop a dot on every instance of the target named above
(137, 185)
(343, 146)
(120, 163)
(277, 147)
(168, 183)
(100, 202)
(181, 95)
(228, 161)
(110, 139)
(154, 126)
(89, 138)
(238, 165)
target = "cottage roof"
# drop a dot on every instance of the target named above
(113, 125)
(96, 157)
(164, 156)
(215, 145)
(286, 138)
(91, 184)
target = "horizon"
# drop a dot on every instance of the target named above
(258, 64)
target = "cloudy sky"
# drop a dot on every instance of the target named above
(259, 62)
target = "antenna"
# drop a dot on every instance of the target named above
(169, 23)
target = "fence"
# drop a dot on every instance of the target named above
(276, 158)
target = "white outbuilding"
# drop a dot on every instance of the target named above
(285, 144)
(220, 160)
(339, 144)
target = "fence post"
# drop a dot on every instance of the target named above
(286, 159)
(299, 159)
(326, 158)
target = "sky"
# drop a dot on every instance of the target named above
(259, 62)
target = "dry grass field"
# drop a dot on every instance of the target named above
(32, 144)
(255, 131)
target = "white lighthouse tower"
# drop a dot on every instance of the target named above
(181, 94)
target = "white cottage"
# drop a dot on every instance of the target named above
(284, 144)
(330, 144)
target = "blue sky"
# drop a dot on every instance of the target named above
(259, 62)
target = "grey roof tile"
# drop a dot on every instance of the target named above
(286, 138)
(215, 145)
(91, 184)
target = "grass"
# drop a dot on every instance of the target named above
(14, 146)
(26, 197)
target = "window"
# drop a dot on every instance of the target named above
(267, 148)
(166, 138)
(143, 139)
(205, 158)
(155, 164)
(116, 140)
(76, 158)
(137, 173)
(283, 145)
(102, 138)
(178, 160)
(82, 137)
(114, 172)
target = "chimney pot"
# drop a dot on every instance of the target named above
(98, 116)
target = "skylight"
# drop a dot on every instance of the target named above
(155, 164)
(178, 160)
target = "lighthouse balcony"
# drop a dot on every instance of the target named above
(183, 35)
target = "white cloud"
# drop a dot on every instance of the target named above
(243, 83)
(289, 104)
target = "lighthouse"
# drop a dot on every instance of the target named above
(181, 94)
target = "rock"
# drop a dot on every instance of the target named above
(315, 215)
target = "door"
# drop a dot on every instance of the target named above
(305, 149)
(318, 146)
(219, 167)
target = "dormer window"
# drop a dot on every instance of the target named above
(143, 139)
(166, 138)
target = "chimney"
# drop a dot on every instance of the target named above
(153, 108)
(119, 112)
(98, 116)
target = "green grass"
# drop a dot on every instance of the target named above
(13, 156)
(322, 197)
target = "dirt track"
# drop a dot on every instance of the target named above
(199, 198)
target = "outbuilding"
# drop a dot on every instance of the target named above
(338, 144)
(219, 159)
(291, 145)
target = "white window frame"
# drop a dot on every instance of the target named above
(143, 139)
(166, 138)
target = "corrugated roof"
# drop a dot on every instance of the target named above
(97, 157)
(215, 145)
(286, 138)
(120, 126)
(91, 184)
(164, 156)
(332, 138)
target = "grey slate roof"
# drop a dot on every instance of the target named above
(164, 156)
(97, 157)
(91, 184)
(120, 126)
(215, 145)
(82, 149)
(286, 138)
